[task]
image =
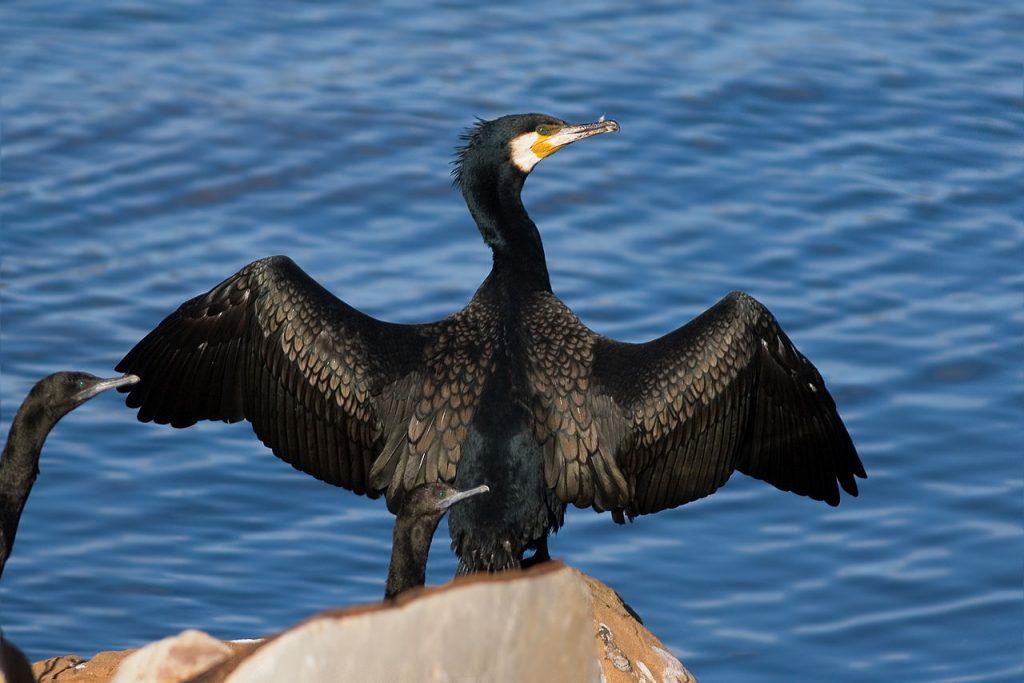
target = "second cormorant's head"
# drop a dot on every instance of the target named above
(429, 502)
(60, 393)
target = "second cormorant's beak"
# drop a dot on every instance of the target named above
(462, 495)
(103, 385)
(568, 134)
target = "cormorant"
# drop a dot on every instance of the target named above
(14, 667)
(50, 399)
(512, 391)
(415, 525)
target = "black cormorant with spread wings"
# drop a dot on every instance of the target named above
(513, 391)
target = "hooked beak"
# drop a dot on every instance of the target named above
(462, 495)
(104, 385)
(566, 135)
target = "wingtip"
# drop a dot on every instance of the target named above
(860, 472)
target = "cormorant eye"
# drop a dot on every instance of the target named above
(440, 494)
(542, 130)
(81, 384)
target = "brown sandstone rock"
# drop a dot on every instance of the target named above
(75, 669)
(628, 652)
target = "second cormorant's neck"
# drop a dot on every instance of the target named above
(409, 549)
(19, 466)
(495, 201)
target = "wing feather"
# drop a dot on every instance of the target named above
(727, 391)
(638, 428)
(272, 346)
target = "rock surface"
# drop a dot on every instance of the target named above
(549, 623)
(100, 669)
(476, 630)
(173, 659)
(628, 651)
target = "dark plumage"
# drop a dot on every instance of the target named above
(50, 399)
(415, 524)
(14, 667)
(512, 391)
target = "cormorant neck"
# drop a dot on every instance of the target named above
(494, 199)
(409, 549)
(13, 665)
(19, 467)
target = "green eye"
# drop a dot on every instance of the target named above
(81, 384)
(440, 494)
(542, 130)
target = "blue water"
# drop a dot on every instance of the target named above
(857, 167)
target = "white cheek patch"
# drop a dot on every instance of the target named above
(523, 155)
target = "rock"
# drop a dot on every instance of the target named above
(75, 669)
(548, 623)
(172, 660)
(627, 650)
(508, 627)
(99, 669)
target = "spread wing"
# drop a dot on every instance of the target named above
(322, 383)
(656, 425)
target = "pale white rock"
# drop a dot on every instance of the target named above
(172, 660)
(522, 628)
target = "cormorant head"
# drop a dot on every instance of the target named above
(60, 393)
(433, 500)
(518, 142)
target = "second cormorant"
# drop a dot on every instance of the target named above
(415, 524)
(513, 391)
(50, 399)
